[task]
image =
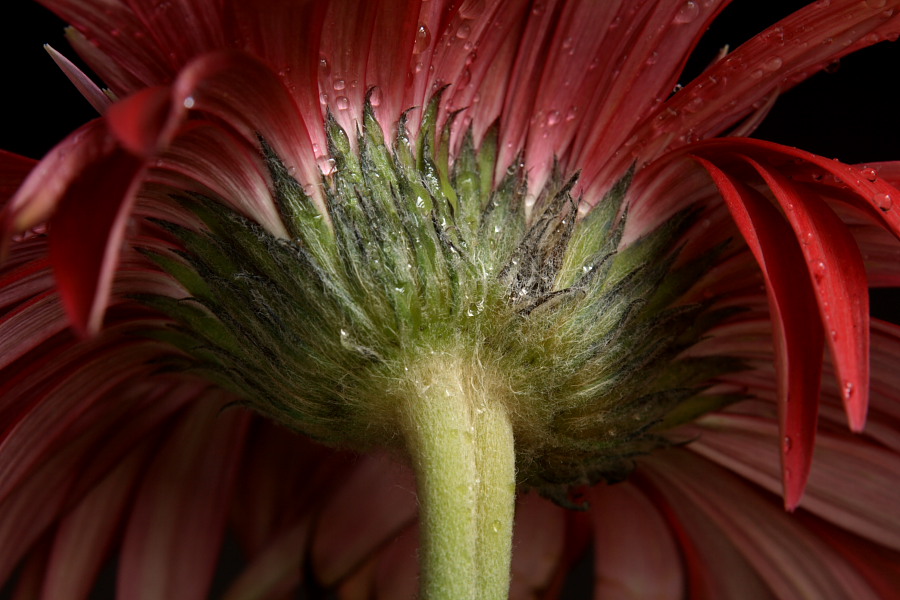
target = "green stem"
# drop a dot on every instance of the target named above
(461, 443)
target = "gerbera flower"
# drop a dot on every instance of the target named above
(479, 252)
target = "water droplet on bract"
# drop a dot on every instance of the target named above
(495, 526)
(553, 117)
(876, 3)
(869, 173)
(848, 390)
(423, 39)
(787, 444)
(326, 165)
(342, 102)
(884, 201)
(773, 64)
(339, 84)
(687, 13)
(189, 102)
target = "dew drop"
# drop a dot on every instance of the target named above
(495, 526)
(323, 98)
(651, 60)
(834, 335)
(774, 63)
(342, 102)
(787, 443)
(553, 118)
(189, 102)
(687, 13)
(848, 390)
(869, 173)
(819, 269)
(463, 31)
(339, 84)
(884, 201)
(376, 97)
(423, 39)
(326, 165)
(324, 67)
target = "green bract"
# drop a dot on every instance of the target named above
(418, 262)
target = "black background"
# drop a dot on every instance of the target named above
(849, 112)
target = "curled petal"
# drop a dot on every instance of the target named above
(799, 341)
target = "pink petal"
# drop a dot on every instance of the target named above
(349, 531)
(236, 87)
(275, 571)
(798, 334)
(635, 555)
(852, 483)
(397, 570)
(793, 562)
(538, 544)
(175, 531)
(714, 566)
(86, 534)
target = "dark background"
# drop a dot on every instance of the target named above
(849, 112)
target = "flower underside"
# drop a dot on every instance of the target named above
(415, 261)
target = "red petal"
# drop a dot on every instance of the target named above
(139, 122)
(86, 235)
(837, 270)
(798, 334)
(13, 171)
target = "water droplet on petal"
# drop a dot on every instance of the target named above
(339, 84)
(189, 102)
(495, 526)
(834, 335)
(342, 102)
(774, 63)
(463, 31)
(423, 39)
(324, 67)
(884, 201)
(848, 390)
(869, 173)
(553, 118)
(787, 444)
(687, 13)
(819, 269)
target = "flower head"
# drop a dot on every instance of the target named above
(481, 239)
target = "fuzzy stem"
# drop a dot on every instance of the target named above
(461, 444)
